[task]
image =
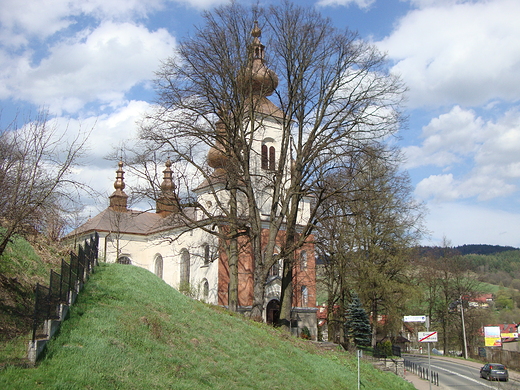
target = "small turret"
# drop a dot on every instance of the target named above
(167, 202)
(119, 199)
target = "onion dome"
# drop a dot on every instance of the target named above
(217, 158)
(262, 80)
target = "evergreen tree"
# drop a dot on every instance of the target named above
(357, 324)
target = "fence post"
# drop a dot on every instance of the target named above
(62, 290)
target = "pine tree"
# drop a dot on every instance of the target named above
(357, 324)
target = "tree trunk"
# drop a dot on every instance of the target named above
(286, 293)
(6, 237)
(288, 267)
(374, 323)
(233, 255)
(233, 274)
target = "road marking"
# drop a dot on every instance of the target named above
(464, 376)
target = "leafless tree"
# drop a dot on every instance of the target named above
(332, 94)
(36, 187)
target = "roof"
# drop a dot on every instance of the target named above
(130, 222)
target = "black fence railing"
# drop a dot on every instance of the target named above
(63, 286)
(422, 372)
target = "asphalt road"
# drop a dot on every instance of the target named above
(453, 375)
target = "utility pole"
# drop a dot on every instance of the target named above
(429, 355)
(463, 328)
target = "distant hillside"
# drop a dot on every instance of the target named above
(472, 249)
(130, 330)
(482, 249)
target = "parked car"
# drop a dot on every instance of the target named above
(494, 371)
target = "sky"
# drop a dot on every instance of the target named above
(91, 63)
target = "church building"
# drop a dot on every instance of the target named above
(191, 259)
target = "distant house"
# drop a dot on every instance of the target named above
(483, 300)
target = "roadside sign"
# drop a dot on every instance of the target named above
(427, 337)
(414, 318)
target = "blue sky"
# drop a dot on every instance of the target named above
(91, 63)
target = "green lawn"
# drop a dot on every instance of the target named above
(130, 330)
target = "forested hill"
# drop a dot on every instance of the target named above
(471, 249)
(482, 249)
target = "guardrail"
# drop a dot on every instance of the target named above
(422, 372)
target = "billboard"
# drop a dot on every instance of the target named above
(492, 336)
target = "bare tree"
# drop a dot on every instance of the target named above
(35, 176)
(332, 94)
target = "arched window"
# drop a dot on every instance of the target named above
(205, 289)
(268, 154)
(158, 265)
(185, 266)
(265, 158)
(124, 260)
(206, 254)
(275, 270)
(272, 158)
(303, 261)
(305, 296)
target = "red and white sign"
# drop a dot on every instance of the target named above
(427, 337)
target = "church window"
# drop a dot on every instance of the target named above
(185, 266)
(303, 261)
(158, 265)
(271, 158)
(268, 155)
(205, 288)
(206, 254)
(305, 296)
(274, 270)
(124, 260)
(265, 158)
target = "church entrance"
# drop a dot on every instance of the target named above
(273, 311)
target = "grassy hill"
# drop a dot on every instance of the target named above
(130, 330)
(21, 267)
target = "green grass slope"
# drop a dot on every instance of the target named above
(20, 269)
(130, 330)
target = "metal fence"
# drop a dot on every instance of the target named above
(63, 286)
(422, 372)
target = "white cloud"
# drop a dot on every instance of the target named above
(438, 187)
(107, 132)
(363, 4)
(502, 147)
(429, 3)
(458, 52)
(101, 65)
(468, 224)
(447, 139)
(200, 4)
(459, 139)
(22, 20)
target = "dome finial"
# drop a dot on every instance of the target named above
(118, 200)
(256, 77)
(167, 202)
